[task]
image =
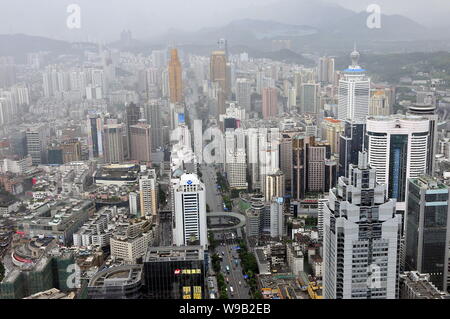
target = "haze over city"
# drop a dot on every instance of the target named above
(152, 18)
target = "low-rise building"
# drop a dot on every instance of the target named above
(124, 282)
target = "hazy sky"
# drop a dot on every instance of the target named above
(431, 13)
(104, 19)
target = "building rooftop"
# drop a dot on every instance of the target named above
(52, 294)
(429, 183)
(117, 276)
(157, 254)
(420, 285)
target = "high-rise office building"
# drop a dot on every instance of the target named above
(397, 147)
(133, 114)
(351, 142)
(235, 159)
(152, 114)
(219, 72)
(175, 273)
(113, 143)
(309, 100)
(148, 191)
(274, 186)
(244, 93)
(326, 70)
(7, 71)
(361, 238)
(277, 218)
(286, 156)
(159, 59)
(354, 92)
(189, 222)
(95, 139)
(380, 104)
(427, 109)
(269, 102)
(175, 78)
(322, 168)
(71, 151)
(133, 204)
(268, 152)
(37, 139)
(7, 111)
(299, 166)
(427, 229)
(331, 132)
(141, 143)
(313, 168)
(291, 99)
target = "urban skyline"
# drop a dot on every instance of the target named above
(256, 160)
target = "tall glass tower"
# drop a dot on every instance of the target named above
(427, 229)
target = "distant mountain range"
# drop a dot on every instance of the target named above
(17, 44)
(396, 33)
(313, 26)
(249, 32)
(315, 13)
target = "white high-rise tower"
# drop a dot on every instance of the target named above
(354, 92)
(190, 226)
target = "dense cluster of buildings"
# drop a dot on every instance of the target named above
(342, 186)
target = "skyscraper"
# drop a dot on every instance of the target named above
(37, 139)
(190, 226)
(427, 229)
(351, 142)
(326, 70)
(354, 92)
(244, 93)
(219, 72)
(235, 159)
(148, 193)
(152, 114)
(427, 109)
(379, 103)
(141, 143)
(331, 132)
(309, 98)
(277, 221)
(313, 167)
(133, 113)
(397, 147)
(95, 139)
(361, 238)
(269, 102)
(113, 143)
(274, 186)
(175, 78)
